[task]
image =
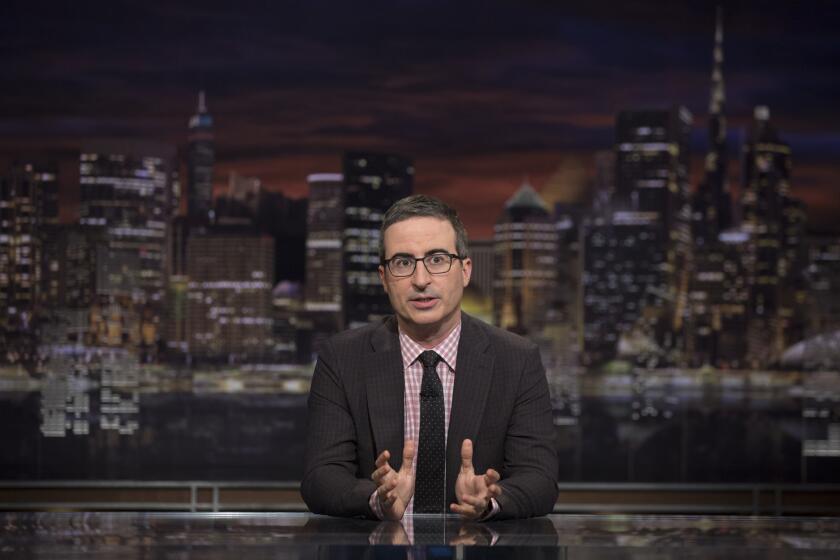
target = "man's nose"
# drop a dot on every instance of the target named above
(421, 276)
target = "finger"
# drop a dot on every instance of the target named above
(491, 477)
(380, 472)
(390, 483)
(473, 501)
(386, 486)
(494, 490)
(382, 495)
(391, 497)
(459, 509)
(466, 456)
(463, 511)
(408, 456)
(383, 458)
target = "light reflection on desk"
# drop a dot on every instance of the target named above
(297, 535)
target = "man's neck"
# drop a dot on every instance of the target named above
(434, 335)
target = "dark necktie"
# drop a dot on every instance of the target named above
(429, 484)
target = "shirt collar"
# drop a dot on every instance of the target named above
(446, 348)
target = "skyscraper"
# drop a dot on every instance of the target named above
(622, 286)
(716, 315)
(478, 295)
(718, 302)
(712, 204)
(20, 254)
(776, 265)
(568, 220)
(483, 258)
(325, 226)
(823, 284)
(244, 191)
(652, 162)
(229, 313)
(201, 156)
(324, 278)
(69, 266)
(125, 199)
(525, 243)
(372, 183)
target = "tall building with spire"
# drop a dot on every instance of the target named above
(201, 157)
(712, 212)
(716, 309)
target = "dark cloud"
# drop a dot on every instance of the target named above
(479, 93)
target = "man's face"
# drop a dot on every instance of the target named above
(426, 304)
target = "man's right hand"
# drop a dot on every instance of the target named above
(394, 489)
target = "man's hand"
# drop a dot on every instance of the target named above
(394, 488)
(473, 491)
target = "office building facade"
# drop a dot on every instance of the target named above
(229, 308)
(525, 245)
(652, 169)
(125, 201)
(20, 252)
(372, 183)
(777, 256)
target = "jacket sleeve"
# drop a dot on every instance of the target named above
(330, 482)
(529, 477)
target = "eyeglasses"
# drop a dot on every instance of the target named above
(404, 265)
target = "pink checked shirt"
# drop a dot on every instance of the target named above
(413, 369)
(413, 372)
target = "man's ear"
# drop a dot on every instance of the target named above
(382, 278)
(466, 265)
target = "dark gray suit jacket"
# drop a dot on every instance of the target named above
(500, 402)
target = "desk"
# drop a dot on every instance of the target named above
(243, 536)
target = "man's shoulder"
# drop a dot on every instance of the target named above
(358, 338)
(500, 339)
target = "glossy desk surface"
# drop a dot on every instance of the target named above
(299, 535)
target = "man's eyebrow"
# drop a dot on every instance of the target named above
(426, 254)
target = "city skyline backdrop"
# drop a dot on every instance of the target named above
(480, 96)
(675, 349)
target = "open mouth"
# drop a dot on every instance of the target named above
(423, 302)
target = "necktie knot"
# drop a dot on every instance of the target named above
(430, 359)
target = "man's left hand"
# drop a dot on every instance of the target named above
(474, 491)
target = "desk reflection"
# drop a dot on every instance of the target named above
(240, 536)
(436, 530)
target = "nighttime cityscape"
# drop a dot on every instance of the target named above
(190, 204)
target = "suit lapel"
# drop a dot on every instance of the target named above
(385, 391)
(473, 377)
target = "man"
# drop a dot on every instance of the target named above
(430, 410)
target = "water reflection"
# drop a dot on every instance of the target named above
(103, 415)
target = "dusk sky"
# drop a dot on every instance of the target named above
(479, 94)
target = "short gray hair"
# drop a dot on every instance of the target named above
(423, 206)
